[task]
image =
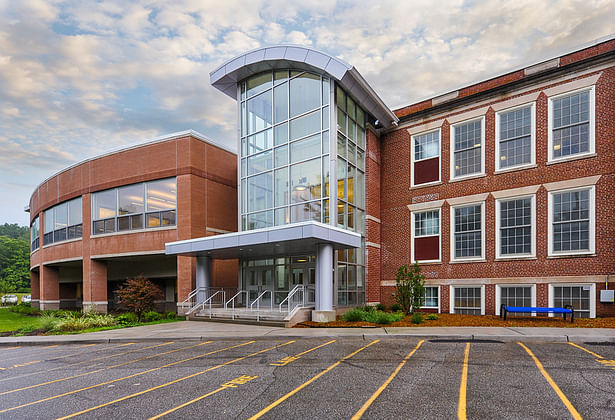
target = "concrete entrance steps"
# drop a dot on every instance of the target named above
(247, 316)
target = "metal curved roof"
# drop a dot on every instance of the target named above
(225, 77)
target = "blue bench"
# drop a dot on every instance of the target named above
(568, 309)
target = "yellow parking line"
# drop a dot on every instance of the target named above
(12, 348)
(88, 345)
(98, 370)
(386, 383)
(585, 350)
(289, 359)
(300, 387)
(51, 346)
(461, 407)
(575, 414)
(130, 376)
(174, 381)
(83, 361)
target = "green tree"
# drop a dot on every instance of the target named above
(15, 262)
(409, 288)
(139, 294)
(15, 231)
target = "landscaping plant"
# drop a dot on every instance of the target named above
(139, 295)
(409, 288)
(432, 317)
(417, 318)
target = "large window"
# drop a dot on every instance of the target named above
(579, 296)
(516, 296)
(515, 137)
(467, 230)
(572, 221)
(284, 148)
(468, 300)
(426, 158)
(515, 236)
(432, 297)
(35, 234)
(63, 222)
(134, 207)
(426, 235)
(467, 148)
(571, 122)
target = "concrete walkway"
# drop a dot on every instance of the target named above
(196, 330)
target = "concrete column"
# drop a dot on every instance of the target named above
(203, 276)
(35, 287)
(49, 288)
(324, 284)
(95, 285)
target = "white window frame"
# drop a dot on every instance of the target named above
(452, 296)
(592, 221)
(592, 295)
(413, 161)
(592, 125)
(498, 295)
(412, 234)
(532, 161)
(482, 229)
(452, 149)
(498, 248)
(439, 299)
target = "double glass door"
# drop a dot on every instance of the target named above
(259, 279)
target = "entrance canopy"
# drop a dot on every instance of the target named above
(287, 240)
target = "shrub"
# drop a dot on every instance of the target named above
(129, 318)
(409, 287)
(396, 307)
(379, 317)
(354, 315)
(139, 294)
(49, 322)
(431, 317)
(151, 316)
(89, 320)
(368, 308)
(169, 315)
(417, 318)
(381, 307)
(25, 308)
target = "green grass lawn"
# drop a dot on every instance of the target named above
(11, 321)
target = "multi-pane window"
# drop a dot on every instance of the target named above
(571, 221)
(515, 137)
(577, 296)
(571, 131)
(516, 226)
(467, 151)
(63, 222)
(516, 296)
(133, 207)
(467, 300)
(35, 234)
(431, 297)
(426, 145)
(427, 223)
(468, 231)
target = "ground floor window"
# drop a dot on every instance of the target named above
(351, 277)
(431, 297)
(577, 296)
(516, 296)
(467, 300)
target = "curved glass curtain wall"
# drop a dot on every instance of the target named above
(284, 149)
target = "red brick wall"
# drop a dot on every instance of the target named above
(396, 195)
(372, 199)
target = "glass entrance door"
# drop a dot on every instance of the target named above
(259, 280)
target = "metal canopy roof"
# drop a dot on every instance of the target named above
(225, 77)
(280, 241)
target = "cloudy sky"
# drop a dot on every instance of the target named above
(80, 77)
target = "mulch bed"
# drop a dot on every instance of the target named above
(11, 333)
(455, 320)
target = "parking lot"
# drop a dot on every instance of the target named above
(309, 378)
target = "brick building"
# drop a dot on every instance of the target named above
(502, 191)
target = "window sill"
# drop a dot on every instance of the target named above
(465, 178)
(425, 185)
(130, 232)
(430, 262)
(571, 158)
(67, 241)
(521, 257)
(576, 255)
(481, 260)
(515, 169)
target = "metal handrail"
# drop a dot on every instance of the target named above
(206, 301)
(290, 295)
(192, 294)
(232, 301)
(258, 303)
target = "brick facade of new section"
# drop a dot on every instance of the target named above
(398, 197)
